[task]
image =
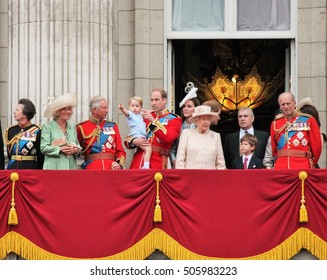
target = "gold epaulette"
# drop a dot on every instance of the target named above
(294, 114)
(6, 134)
(13, 140)
(82, 122)
(306, 115)
(178, 116)
(279, 116)
(11, 127)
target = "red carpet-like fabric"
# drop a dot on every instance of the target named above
(253, 214)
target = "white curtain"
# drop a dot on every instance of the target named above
(195, 15)
(261, 15)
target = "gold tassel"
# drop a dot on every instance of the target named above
(303, 214)
(303, 210)
(157, 211)
(13, 218)
(157, 214)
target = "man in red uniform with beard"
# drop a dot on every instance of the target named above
(163, 128)
(295, 137)
(100, 139)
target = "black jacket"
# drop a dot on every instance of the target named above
(255, 163)
(231, 145)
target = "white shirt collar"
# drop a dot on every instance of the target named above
(249, 157)
(250, 131)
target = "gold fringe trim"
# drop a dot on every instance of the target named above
(302, 238)
(158, 239)
(18, 244)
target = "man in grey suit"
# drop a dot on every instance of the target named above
(232, 141)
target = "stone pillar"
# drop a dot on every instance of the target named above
(57, 46)
(3, 63)
(312, 63)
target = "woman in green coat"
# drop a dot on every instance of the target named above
(59, 141)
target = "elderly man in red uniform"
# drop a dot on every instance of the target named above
(100, 139)
(163, 128)
(295, 137)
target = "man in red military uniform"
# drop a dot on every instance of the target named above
(163, 128)
(100, 139)
(295, 137)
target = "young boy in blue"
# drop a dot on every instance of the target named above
(136, 124)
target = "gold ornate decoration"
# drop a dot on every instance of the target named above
(234, 93)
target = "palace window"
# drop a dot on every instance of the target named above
(189, 18)
(210, 42)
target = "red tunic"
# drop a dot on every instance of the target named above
(296, 143)
(161, 133)
(97, 140)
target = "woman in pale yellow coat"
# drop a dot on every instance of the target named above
(201, 148)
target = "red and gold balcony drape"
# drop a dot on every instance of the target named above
(224, 214)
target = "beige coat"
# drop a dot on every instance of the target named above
(200, 151)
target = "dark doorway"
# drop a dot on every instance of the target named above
(198, 61)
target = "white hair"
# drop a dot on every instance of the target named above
(95, 102)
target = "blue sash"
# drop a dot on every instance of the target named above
(27, 137)
(106, 131)
(299, 124)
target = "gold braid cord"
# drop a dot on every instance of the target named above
(303, 210)
(13, 218)
(92, 135)
(10, 143)
(159, 126)
(157, 210)
(278, 131)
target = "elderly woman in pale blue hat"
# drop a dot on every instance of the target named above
(59, 141)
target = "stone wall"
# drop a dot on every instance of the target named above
(312, 58)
